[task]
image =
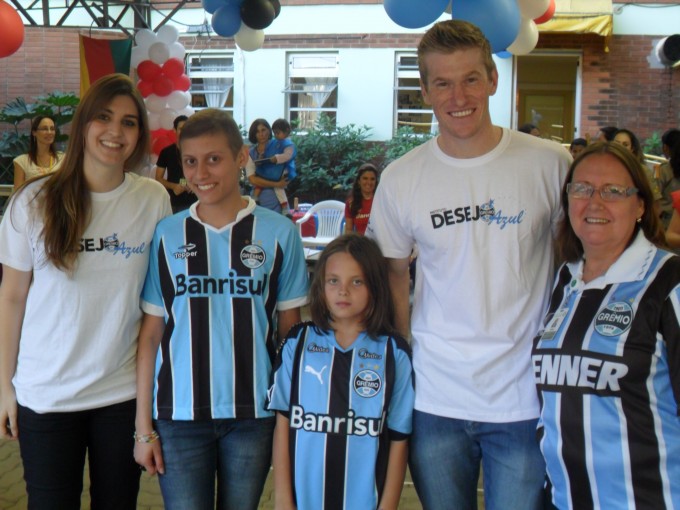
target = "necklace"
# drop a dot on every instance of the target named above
(49, 165)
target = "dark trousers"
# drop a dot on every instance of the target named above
(53, 448)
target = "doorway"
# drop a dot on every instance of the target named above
(548, 94)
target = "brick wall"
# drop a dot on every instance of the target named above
(619, 87)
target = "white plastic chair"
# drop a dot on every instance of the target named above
(330, 215)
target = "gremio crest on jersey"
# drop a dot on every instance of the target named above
(253, 256)
(614, 319)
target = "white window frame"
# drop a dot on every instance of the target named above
(304, 69)
(406, 67)
(224, 73)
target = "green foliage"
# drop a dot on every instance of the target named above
(327, 159)
(405, 140)
(653, 145)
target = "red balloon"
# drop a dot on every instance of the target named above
(162, 86)
(182, 82)
(173, 68)
(159, 144)
(547, 15)
(12, 29)
(148, 70)
(145, 88)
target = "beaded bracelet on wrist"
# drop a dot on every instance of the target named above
(145, 438)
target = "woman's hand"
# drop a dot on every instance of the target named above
(9, 429)
(150, 457)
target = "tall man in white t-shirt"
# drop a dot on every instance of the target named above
(479, 202)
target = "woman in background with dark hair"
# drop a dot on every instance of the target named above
(74, 250)
(358, 205)
(42, 157)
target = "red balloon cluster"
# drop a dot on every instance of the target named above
(161, 139)
(12, 30)
(162, 80)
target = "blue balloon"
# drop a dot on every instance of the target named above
(212, 5)
(499, 20)
(415, 13)
(503, 54)
(227, 20)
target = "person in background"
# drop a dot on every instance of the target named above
(609, 426)
(42, 157)
(577, 146)
(74, 251)
(237, 276)
(347, 366)
(262, 170)
(170, 163)
(530, 129)
(606, 134)
(479, 202)
(665, 179)
(673, 229)
(358, 205)
(631, 142)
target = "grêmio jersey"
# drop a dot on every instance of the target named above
(218, 291)
(344, 407)
(607, 367)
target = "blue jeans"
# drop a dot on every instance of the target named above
(237, 451)
(53, 448)
(445, 456)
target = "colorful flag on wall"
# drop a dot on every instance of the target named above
(99, 57)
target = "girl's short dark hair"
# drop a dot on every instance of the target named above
(380, 314)
(252, 132)
(209, 122)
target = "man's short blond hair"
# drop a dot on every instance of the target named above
(453, 35)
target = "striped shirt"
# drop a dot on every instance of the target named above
(344, 408)
(607, 367)
(219, 291)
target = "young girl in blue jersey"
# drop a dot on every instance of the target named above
(343, 390)
(224, 277)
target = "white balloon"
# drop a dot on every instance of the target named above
(155, 104)
(448, 8)
(169, 34)
(188, 111)
(159, 53)
(167, 118)
(146, 37)
(532, 9)
(138, 55)
(178, 99)
(154, 121)
(526, 39)
(177, 50)
(249, 39)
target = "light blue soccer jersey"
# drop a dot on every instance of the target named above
(344, 407)
(219, 291)
(607, 367)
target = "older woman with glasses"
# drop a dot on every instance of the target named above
(42, 157)
(607, 363)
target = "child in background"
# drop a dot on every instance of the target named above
(224, 276)
(577, 146)
(285, 154)
(343, 390)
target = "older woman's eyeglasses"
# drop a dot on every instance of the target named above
(608, 192)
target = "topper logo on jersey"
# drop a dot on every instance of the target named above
(485, 212)
(110, 244)
(185, 251)
(317, 348)
(350, 425)
(590, 372)
(253, 256)
(366, 354)
(205, 285)
(367, 383)
(614, 320)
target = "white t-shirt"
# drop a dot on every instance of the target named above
(482, 227)
(32, 170)
(79, 335)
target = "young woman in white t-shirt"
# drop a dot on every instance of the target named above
(74, 249)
